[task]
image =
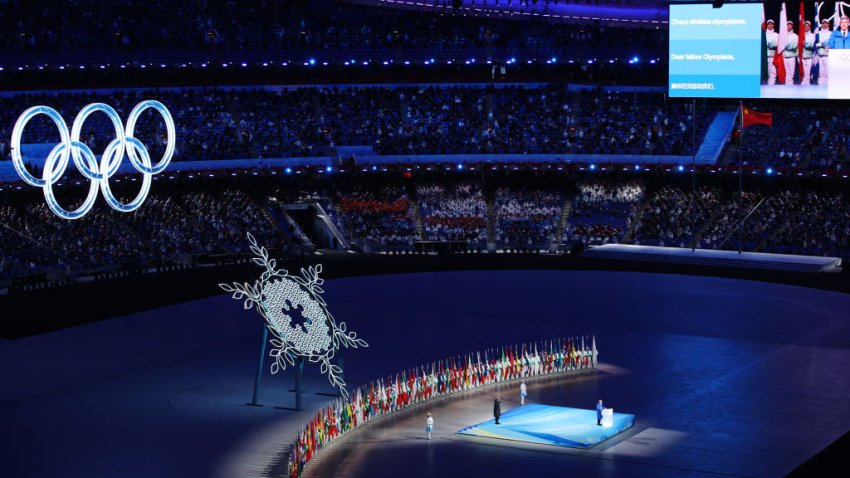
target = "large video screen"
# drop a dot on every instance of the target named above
(760, 50)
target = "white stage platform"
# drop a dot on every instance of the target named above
(711, 257)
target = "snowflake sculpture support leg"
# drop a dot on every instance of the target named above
(260, 363)
(341, 370)
(299, 382)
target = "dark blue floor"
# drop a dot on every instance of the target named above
(751, 378)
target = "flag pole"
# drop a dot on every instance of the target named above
(693, 172)
(740, 168)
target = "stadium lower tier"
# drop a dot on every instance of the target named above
(195, 219)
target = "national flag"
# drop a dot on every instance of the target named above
(801, 41)
(595, 352)
(763, 44)
(751, 117)
(780, 47)
(581, 353)
(815, 72)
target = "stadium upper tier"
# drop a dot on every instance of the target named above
(268, 25)
(307, 122)
(416, 122)
(139, 43)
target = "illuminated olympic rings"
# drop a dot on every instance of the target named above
(70, 146)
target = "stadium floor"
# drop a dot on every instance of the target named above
(726, 377)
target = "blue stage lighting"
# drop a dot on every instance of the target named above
(312, 61)
(592, 167)
(637, 167)
(681, 168)
(288, 170)
(636, 60)
(554, 60)
(329, 168)
(769, 170)
(374, 168)
(460, 167)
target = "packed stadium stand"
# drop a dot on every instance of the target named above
(384, 211)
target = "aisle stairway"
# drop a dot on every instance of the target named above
(566, 209)
(491, 217)
(716, 137)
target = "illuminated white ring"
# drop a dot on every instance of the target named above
(51, 171)
(169, 146)
(63, 146)
(105, 161)
(77, 128)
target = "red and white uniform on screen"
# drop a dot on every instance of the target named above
(808, 53)
(789, 55)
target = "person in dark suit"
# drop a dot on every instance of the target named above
(497, 408)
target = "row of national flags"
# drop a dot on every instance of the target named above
(438, 379)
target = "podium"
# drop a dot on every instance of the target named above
(607, 417)
(839, 74)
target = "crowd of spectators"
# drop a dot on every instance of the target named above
(382, 218)
(527, 217)
(603, 210)
(185, 217)
(815, 138)
(313, 121)
(818, 225)
(133, 26)
(453, 212)
(672, 216)
(34, 240)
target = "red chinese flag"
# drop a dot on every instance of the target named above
(757, 117)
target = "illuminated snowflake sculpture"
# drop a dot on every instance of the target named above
(296, 315)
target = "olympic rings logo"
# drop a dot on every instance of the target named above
(70, 146)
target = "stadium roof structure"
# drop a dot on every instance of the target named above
(652, 12)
